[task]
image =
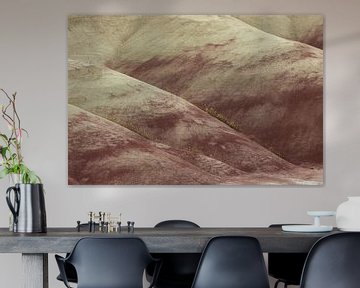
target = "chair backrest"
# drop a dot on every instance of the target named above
(178, 269)
(232, 262)
(333, 262)
(176, 224)
(286, 267)
(110, 262)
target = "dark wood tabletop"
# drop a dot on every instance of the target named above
(158, 240)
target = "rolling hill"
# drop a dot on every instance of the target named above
(165, 118)
(269, 88)
(302, 28)
(102, 152)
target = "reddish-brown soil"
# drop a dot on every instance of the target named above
(104, 153)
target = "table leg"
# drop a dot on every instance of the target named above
(35, 270)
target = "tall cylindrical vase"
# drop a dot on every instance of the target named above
(348, 214)
(27, 204)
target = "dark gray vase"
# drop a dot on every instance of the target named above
(28, 207)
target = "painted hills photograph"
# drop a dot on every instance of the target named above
(195, 99)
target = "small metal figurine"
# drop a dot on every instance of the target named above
(130, 226)
(78, 226)
(90, 221)
(108, 227)
(100, 221)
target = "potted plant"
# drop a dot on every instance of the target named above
(11, 159)
(26, 197)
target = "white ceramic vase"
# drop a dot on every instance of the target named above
(348, 215)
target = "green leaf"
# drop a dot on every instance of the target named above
(28, 176)
(13, 156)
(33, 177)
(27, 133)
(4, 137)
(4, 173)
(3, 151)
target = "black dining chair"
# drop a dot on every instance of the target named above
(333, 262)
(70, 271)
(178, 269)
(232, 262)
(285, 267)
(108, 263)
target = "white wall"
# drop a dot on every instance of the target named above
(33, 62)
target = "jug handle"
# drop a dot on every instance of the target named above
(13, 208)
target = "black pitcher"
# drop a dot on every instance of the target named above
(28, 207)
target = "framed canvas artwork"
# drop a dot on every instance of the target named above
(195, 99)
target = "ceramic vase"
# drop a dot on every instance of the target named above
(27, 204)
(348, 215)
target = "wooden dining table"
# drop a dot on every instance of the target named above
(35, 247)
